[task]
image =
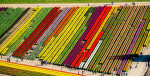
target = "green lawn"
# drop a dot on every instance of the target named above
(66, 1)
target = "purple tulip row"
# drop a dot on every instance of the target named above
(3, 8)
(131, 47)
(54, 24)
(79, 44)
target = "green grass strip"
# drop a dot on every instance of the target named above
(39, 17)
(10, 19)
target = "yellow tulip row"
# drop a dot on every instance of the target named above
(102, 25)
(147, 39)
(35, 69)
(148, 27)
(54, 40)
(127, 65)
(16, 36)
(60, 42)
(67, 34)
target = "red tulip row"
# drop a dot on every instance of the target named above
(27, 44)
(92, 33)
(107, 40)
(86, 54)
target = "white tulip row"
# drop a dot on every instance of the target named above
(92, 54)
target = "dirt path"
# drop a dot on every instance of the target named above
(139, 71)
(142, 65)
(50, 66)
